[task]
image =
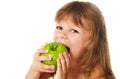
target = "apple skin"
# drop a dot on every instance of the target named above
(54, 49)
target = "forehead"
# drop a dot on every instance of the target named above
(79, 22)
(66, 20)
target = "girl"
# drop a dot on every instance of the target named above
(81, 27)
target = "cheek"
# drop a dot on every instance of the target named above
(77, 51)
(55, 36)
(77, 47)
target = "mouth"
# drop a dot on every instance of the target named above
(68, 49)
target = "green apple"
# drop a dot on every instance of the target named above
(54, 49)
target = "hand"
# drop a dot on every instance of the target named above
(63, 63)
(38, 66)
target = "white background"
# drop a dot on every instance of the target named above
(27, 24)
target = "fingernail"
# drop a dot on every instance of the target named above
(50, 58)
(59, 55)
(64, 53)
(52, 67)
(46, 51)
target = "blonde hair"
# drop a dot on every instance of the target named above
(97, 49)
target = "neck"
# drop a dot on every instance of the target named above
(74, 65)
(75, 71)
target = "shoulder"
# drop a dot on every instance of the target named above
(97, 72)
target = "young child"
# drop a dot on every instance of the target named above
(81, 27)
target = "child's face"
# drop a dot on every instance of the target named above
(74, 37)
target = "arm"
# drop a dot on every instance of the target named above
(32, 74)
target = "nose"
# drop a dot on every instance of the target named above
(63, 35)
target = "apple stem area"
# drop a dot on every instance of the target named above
(54, 48)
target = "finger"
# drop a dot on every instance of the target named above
(43, 68)
(42, 58)
(46, 68)
(59, 65)
(42, 51)
(67, 58)
(39, 51)
(63, 62)
(47, 71)
(43, 45)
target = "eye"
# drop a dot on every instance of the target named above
(59, 28)
(75, 31)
